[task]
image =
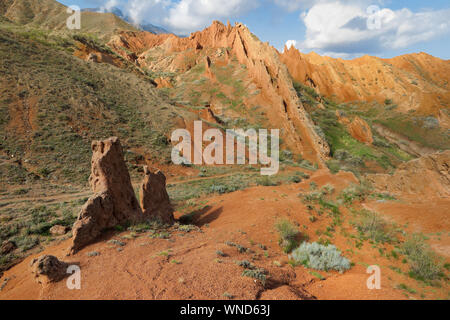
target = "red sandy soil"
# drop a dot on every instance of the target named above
(193, 270)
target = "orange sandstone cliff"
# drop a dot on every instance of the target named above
(418, 82)
(277, 94)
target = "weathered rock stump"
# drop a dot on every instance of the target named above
(155, 201)
(49, 269)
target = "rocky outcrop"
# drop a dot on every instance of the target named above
(58, 230)
(208, 71)
(48, 269)
(7, 247)
(428, 176)
(155, 201)
(360, 130)
(114, 201)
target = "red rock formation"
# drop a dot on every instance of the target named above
(155, 201)
(208, 72)
(414, 82)
(114, 201)
(428, 176)
(285, 110)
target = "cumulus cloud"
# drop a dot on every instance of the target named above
(190, 15)
(141, 11)
(185, 16)
(341, 28)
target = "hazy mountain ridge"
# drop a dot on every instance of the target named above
(143, 26)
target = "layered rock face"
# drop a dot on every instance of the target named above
(114, 201)
(283, 107)
(414, 82)
(427, 176)
(154, 198)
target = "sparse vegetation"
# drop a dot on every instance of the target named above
(423, 262)
(289, 235)
(372, 227)
(258, 274)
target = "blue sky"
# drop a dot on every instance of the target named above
(339, 28)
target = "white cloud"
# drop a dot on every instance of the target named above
(291, 43)
(108, 5)
(186, 16)
(340, 27)
(191, 15)
(153, 11)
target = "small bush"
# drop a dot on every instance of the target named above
(423, 262)
(288, 235)
(245, 264)
(371, 226)
(258, 274)
(266, 182)
(320, 257)
(356, 192)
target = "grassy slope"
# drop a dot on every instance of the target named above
(347, 152)
(52, 15)
(53, 105)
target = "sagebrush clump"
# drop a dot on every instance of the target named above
(320, 257)
(289, 235)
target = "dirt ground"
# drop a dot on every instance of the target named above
(187, 265)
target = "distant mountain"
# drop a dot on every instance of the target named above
(114, 10)
(146, 27)
(52, 15)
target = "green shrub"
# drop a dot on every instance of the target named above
(320, 257)
(246, 264)
(258, 274)
(356, 192)
(423, 262)
(266, 182)
(289, 235)
(371, 226)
